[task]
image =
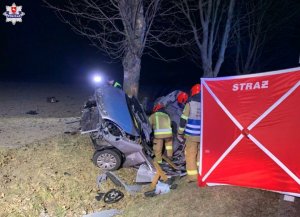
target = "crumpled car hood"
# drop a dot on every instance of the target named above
(112, 105)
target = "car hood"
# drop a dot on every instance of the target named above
(112, 105)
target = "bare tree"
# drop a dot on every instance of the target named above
(122, 29)
(209, 23)
(249, 34)
(256, 22)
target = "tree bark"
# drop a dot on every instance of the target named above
(224, 39)
(135, 27)
(131, 66)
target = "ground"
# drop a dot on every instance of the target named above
(46, 168)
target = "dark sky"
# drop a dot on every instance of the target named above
(41, 48)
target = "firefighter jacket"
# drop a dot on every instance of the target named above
(161, 124)
(190, 120)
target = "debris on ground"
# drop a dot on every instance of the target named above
(52, 99)
(72, 126)
(32, 112)
(99, 196)
(131, 189)
(104, 213)
(113, 196)
(162, 188)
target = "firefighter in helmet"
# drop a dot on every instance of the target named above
(189, 128)
(161, 125)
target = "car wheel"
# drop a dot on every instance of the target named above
(108, 159)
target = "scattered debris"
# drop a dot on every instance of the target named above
(52, 99)
(100, 179)
(131, 189)
(162, 187)
(144, 174)
(70, 132)
(99, 196)
(104, 213)
(113, 196)
(32, 112)
(72, 126)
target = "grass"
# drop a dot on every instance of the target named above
(56, 177)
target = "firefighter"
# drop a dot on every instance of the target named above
(189, 128)
(161, 124)
(174, 110)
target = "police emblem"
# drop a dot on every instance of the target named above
(13, 13)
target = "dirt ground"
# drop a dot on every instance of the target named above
(46, 168)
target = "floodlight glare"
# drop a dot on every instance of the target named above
(97, 78)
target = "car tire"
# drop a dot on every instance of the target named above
(108, 159)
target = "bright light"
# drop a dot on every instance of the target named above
(97, 78)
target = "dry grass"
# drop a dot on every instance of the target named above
(56, 177)
(190, 200)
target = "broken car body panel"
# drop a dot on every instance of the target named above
(116, 121)
(118, 124)
(111, 103)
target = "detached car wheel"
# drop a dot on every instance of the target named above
(108, 159)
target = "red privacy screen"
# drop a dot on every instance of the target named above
(251, 131)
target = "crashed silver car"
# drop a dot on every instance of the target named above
(119, 129)
(121, 134)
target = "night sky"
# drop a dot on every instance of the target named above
(42, 48)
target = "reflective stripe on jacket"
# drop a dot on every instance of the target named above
(193, 125)
(117, 85)
(183, 119)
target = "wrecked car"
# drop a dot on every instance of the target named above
(121, 134)
(119, 129)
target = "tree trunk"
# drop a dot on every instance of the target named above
(131, 67)
(225, 39)
(135, 26)
(207, 73)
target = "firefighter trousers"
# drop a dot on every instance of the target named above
(158, 144)
(192, 158)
